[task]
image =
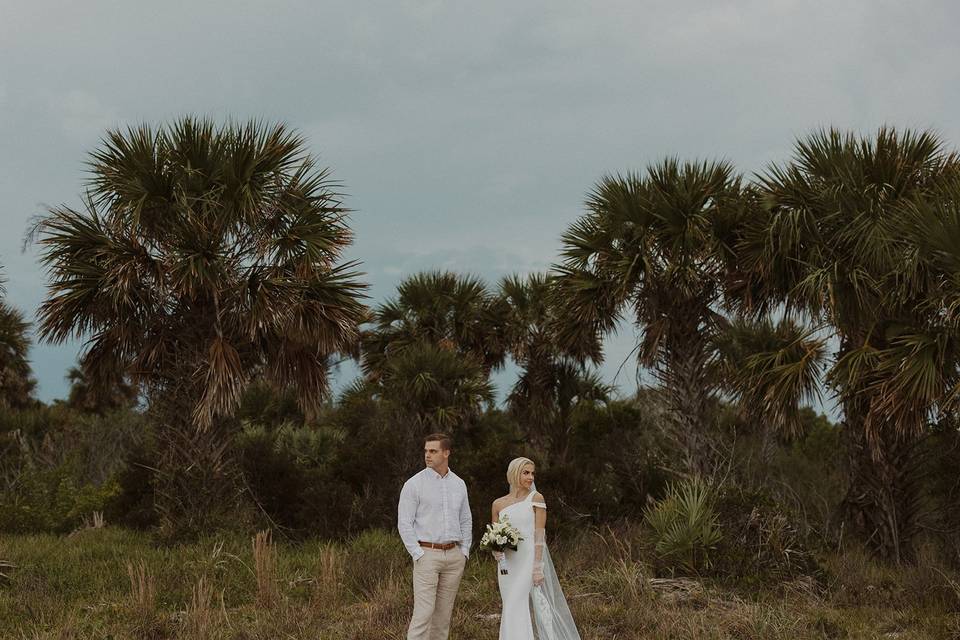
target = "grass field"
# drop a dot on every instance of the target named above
(115, 583)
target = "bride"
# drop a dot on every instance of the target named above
(533, 603)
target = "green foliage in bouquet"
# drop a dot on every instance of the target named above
(502, 530)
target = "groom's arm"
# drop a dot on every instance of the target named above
(466, 524)
(406, 515)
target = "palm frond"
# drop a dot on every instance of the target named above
(772, 369)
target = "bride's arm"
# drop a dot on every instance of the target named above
(494, 517)
(539, 536)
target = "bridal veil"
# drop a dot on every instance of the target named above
(551, 615)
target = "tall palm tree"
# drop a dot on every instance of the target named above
(830, 240)
(205, 256)
(438, 307)
(553, 378)
(649, 247)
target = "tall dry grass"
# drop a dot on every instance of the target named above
(327, 589)
(201, 616)
(265, 568)
(143, 588)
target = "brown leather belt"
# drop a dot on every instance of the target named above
(434, 545)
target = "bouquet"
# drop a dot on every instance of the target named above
(499, 537)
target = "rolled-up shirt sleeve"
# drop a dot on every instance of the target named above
(466, 524)
(406, 515)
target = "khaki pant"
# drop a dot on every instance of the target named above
(436, 578)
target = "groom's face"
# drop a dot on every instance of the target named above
(434, 455)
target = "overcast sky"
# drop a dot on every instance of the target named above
(466, 134)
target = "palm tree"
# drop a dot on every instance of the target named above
(438, 307)
(831, 241)
(116, 393)
(436, 389)
(205, 256)
(649, 246)
(16, 378)
(553, 377)
(426, 388)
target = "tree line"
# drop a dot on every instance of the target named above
(207, 261)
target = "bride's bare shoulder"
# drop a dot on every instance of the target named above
(501, 501)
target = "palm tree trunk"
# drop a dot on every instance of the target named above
(882, 499)
(684, 377)
(198, 482)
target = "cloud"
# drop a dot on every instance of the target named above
(82, 115)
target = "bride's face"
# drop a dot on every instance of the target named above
(527, 476)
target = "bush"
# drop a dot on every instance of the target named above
(58, 465)
(940, 459)
(134, 505)
(291, 476)
(685, 526)
(481, 457)
(619, 460)
(51, 501)
(761, 541)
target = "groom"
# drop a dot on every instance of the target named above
(434, 521)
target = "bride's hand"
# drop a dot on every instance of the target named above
(537, 577)
(498, 555)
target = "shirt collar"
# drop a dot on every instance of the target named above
(434, 474)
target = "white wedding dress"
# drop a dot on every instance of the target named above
(531, 612)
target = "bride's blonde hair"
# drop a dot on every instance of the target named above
(515, 467)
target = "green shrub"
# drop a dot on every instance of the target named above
(685, 526)
(134, 504)
(290, 474)
(51, 501)
(762, 542)
(620, 455)
(939, 459)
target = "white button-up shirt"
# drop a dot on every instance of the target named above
(434, 508)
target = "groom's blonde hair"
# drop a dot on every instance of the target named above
(515, 467)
